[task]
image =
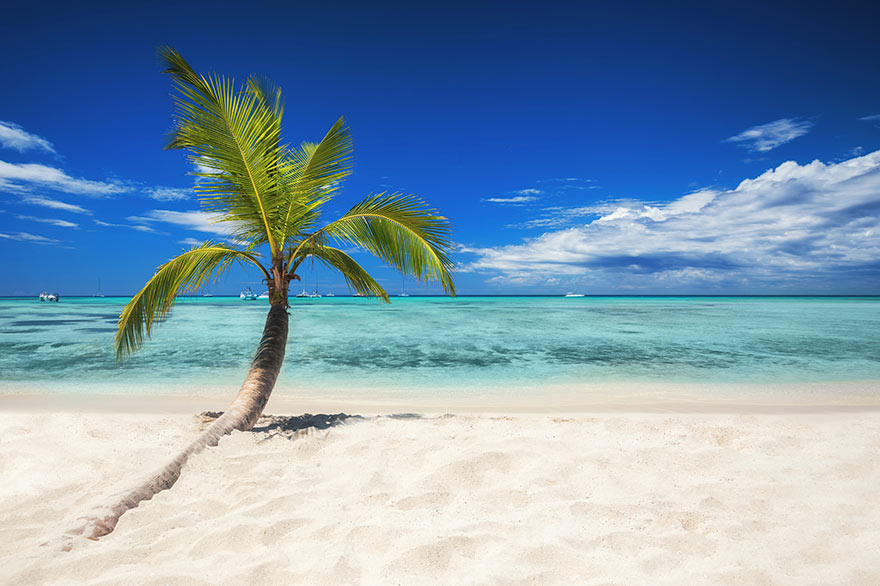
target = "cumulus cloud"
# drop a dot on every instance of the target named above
(53, 221)
(167, 193)
(26, 176)
(814, 223)
(766, 137)
(13, 136)
(47, 202)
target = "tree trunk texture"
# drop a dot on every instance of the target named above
(242, 414)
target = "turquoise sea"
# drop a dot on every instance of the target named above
(464, 345)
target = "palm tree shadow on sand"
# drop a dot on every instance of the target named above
(289, 426)
(296, 426)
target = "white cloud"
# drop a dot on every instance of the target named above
(515, 199)
(24, 177)
(54, 222)
(138, 227)
(27, 237)
(167, 193)
(54, 204)
(529, 192)
(766, 137)
(141, 228)
(13, 136)
(815, 223)
(194, 220)
(190, 241)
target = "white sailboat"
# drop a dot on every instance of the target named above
(571, 294)
(247, 295)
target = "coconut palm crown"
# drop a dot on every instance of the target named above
(272, 196)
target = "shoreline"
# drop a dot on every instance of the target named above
(635, 397)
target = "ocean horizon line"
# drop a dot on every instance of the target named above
(516, 295)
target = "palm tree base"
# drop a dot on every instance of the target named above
(242, 414)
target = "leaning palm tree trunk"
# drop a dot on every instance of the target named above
(242, 414)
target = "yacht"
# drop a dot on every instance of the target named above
(570, 294)
(247, 295)
(46, 296)
(329, 294)
(303, 294)
(263, 295)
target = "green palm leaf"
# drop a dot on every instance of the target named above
(354, 274)
(399, 229)
(318, 170)
(187, 272)
(234, 136)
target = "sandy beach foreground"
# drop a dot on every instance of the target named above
(587, 498)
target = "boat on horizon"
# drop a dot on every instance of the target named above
(248, 295)
(571, 294)
(263, 295)
(46, 296)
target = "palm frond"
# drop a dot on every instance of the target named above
(355, 275)
(234, 137)
(267, 91)
(400, 230)
(318, 170)
(186, 272)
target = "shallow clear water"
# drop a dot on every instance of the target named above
(470, 343)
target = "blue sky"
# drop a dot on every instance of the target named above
(641, 148)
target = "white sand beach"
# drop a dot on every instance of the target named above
(759, 496)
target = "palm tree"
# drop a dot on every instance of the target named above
(272, 197)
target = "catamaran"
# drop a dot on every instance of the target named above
(247, 295)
